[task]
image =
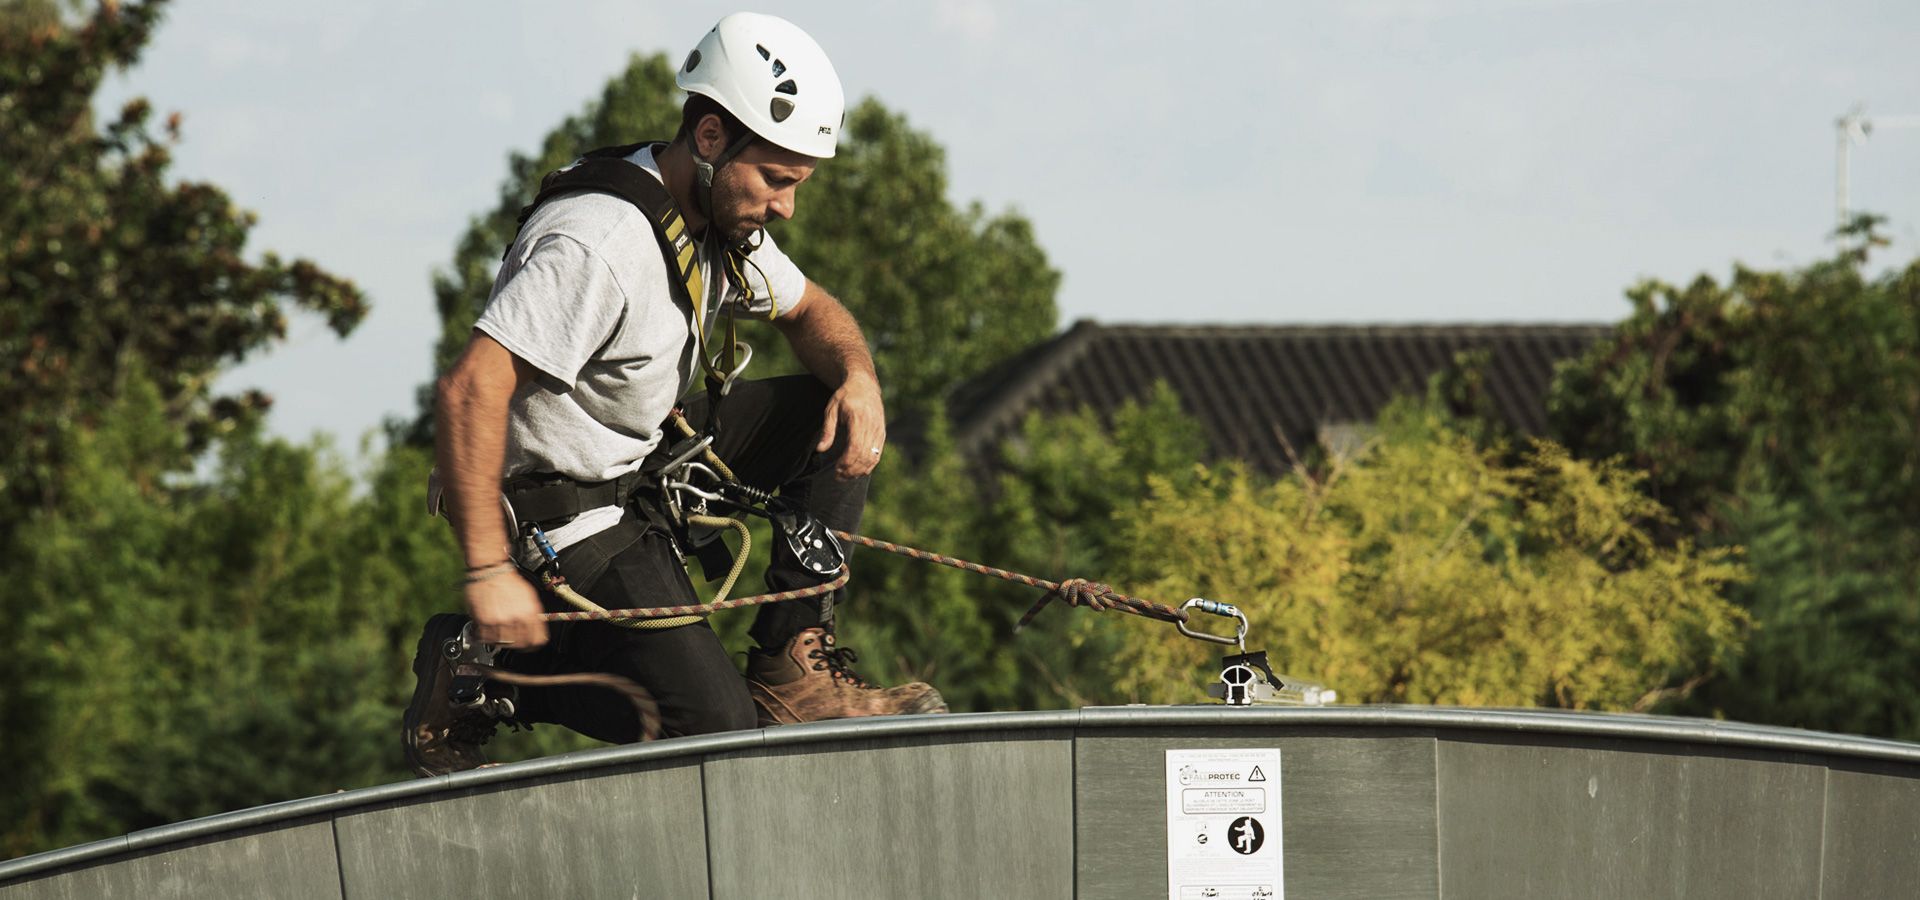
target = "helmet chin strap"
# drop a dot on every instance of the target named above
(703, 173)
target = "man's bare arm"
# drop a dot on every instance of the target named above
(470, 448)
(829, 343)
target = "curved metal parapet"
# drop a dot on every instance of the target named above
(1376, 802)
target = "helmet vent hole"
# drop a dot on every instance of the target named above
(780, 108)
(763, 52)
(693, 59)
(787, 87)
(779, 68)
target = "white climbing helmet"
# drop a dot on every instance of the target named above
(773, 78)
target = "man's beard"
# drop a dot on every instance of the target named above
(732, 227)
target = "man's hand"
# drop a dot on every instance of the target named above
(828, 342)
(857, 408)
(506, 611)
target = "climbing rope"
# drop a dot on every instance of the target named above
(695, 610)
(558, 584)
(1073, 591)
(643, 702)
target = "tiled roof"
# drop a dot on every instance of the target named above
(1244, 383)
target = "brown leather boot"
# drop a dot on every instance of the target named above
(811, 679)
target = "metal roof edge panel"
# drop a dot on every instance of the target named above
(1664, 729)
(1658, 729)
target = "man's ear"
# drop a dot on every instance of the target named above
(709, 136)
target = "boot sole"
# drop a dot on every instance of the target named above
(426, 656)
(929, 704)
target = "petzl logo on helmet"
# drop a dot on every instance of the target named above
(825, 129)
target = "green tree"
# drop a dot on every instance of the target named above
(1777, 411)
(942, 292)
(107, 266)
(121, 296)
(1429, 569)
(245, 634)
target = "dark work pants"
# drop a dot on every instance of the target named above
(767, 431)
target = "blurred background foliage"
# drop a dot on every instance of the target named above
(1724, 521)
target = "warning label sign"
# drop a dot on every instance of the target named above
(1223, 824)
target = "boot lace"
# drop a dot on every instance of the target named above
(839, 661)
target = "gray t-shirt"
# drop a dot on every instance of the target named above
(583, 296)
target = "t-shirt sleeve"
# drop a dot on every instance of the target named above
(775, 285)
(557, 309)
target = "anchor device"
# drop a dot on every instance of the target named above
(1246, 677)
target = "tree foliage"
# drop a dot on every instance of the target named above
(1778, 412)
(246, 636)
(1429, 569)
(121, 296)
(106, 266)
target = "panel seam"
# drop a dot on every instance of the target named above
(339, 861)
(1073, 798)
(1826, 804)
(1439, 866)
(706, 823)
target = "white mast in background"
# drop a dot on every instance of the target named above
(1854, 128)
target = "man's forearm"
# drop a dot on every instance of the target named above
(826, 339)
(470, 448)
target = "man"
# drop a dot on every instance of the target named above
(564, 388)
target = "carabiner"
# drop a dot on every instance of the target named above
(726, 384)
(1223, 610)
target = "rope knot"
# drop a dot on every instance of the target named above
(1081, 592)
(1074, 592)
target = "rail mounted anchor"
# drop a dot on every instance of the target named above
(1246, 678)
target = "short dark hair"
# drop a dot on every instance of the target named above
(700, 106)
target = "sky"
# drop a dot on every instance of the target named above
(1390, 161)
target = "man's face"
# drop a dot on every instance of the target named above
(757, 187)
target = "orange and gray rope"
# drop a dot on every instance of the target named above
(1073, 591)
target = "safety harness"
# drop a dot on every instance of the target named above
(664, 492)
(607, 171)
